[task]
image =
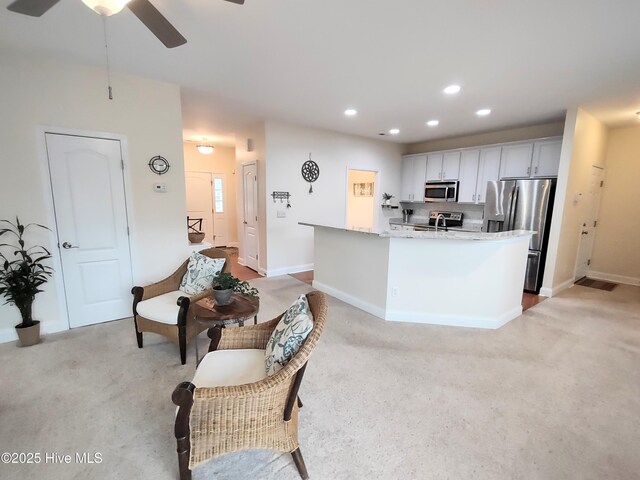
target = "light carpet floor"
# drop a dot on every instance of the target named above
(554, 394)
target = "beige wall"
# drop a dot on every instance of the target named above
(584, 144)
(222, 160)
(553, 129)
(38, 93)
(615, 253)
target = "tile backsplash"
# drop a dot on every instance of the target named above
(472, 213)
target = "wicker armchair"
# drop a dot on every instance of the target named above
(172, 316)
(214, 420)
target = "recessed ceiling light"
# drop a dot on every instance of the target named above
(638, 114)
(433, 123)
(394, 131)
(452, 89)
(483, 112)
(351, 112)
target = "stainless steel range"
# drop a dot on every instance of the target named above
(445, 219)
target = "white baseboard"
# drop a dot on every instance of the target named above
(550, 292)
(276, 272)
(356, 302)
(233, 244)
(10, 335)
(241, 262)
(455, 320)
(610, 277)
(420, 317)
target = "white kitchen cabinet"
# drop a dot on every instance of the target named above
(434, 167)
(443, 166)
(413, 178)
(516, 160)
(477, 167)
(488, 170)
(469, 160)
(546, 158)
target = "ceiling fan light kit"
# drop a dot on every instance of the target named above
(143, 9)
(106, 7)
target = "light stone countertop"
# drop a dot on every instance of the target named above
(439, 235)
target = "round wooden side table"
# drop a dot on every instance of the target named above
(206, 312)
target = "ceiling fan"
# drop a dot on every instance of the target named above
(143, 9)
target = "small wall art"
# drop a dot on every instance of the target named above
(363, 189)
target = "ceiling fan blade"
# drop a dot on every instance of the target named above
(33, 8)
(155, 21)
(239, 2)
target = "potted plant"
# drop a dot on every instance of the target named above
(22, 273)
(224, 284)
(387, 198)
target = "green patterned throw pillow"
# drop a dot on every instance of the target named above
(200, 272)
(290, 333)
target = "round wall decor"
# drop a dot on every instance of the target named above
(159, 165)
(310, 172)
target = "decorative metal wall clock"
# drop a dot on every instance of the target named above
(310, 172)
(159, 165)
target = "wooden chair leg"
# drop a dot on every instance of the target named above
(138, 334)
(299, 402)
(182, 341)
(299, 461)
(183, 398)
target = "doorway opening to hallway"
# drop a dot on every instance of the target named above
(361, 198)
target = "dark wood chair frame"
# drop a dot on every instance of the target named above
(183, 397)
(185, 328)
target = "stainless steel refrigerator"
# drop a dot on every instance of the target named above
(522, 205)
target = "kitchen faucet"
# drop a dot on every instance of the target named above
(444, 222)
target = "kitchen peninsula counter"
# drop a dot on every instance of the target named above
(459, 278)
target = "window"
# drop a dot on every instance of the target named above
(218, 195)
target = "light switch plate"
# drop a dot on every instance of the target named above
(160, 187)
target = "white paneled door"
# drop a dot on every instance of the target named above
(589, 222)
(207, 199)
(200, 201)
(250, 220)
(90, 207)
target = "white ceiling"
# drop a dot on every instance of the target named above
(305, 61)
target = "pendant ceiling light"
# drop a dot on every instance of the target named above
(106, 7)
(205, 147)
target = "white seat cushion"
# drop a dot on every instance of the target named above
(163, 308)
(224, 368)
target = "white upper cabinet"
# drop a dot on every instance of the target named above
(477, 167)
(434, 167)
(443, 166)
(469, 160)
(516, 160)
(489, 170)
(451, 166)
(413, 178)
(546, 158)
(531, 160)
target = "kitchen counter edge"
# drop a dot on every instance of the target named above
(441, 235)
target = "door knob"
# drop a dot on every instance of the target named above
(67, 245)
(245, 222)
(584, 232)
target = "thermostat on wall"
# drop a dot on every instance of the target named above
(160, 187)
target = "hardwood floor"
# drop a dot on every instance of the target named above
(306, 277)
(528, 299)
(531, 299)
(240, 271)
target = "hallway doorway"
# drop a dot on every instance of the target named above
(361, 195)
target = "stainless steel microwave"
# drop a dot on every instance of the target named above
(441, 192)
